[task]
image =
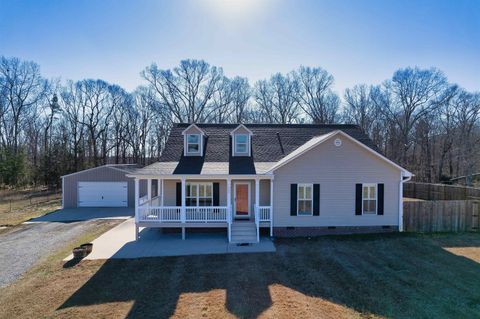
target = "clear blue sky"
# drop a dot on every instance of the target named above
(357, 41)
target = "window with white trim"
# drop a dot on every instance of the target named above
(241, 143)
(193, 143)
(199, 194)
(369, 198)
(305, 200)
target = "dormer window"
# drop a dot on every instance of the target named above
(193, 143)
(241, 143)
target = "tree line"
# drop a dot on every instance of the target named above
(49, 128)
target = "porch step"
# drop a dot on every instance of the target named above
(244, 232)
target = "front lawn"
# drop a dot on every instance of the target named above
(395, 275)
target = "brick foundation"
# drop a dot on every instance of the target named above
(340, 230)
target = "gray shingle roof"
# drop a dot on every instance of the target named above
(208, 168)
(270, 143)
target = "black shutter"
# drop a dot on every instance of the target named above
(358, 199)
(216, 194)
(293, 199)
(179, 194)
(316, 199)
(380, 203)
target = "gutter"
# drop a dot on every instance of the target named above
(400, 199)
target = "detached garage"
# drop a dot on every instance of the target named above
(103, 186)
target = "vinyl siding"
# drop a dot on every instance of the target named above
(99, 174)
(337, 170)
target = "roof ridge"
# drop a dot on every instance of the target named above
(313, 125)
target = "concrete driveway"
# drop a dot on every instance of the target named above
(84, 213)
(119, 242)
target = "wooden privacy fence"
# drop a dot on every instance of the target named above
(441, 216)
(428, 191)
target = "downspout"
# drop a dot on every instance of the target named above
(400, 201)
(63, 192)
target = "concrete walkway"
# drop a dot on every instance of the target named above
(119, 242)
(84, 213)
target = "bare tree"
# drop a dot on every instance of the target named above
(221, 110)
(71, 102)
(315, 95)
(231, 102)
(187, 90)
(277, 99)
(359, 107)
(96, 108)
(467, 114)
(410, 95)
(22, 87)
(48, 128)
(241, 92)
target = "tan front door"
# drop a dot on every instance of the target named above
(242, 194)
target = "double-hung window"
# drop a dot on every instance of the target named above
(369, 198)
(199, 194)
(193, 143)
(305, 200)
(241, 143)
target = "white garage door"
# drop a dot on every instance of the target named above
(102, 194)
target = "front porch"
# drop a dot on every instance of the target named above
(242, 204)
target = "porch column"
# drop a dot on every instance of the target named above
(257, 193)
(158, 190)
(271, 207)
(161, 198)
(183, 211)
(137, 217)
(229, 208)
(257, 205)
(229, 194)
(149, 192)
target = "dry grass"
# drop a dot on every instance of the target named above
(17, 206)
(28, 212)
(397, 275)
(408, 199)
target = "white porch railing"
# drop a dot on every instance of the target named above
(160, 214)
(165, 214)
(206, 214)
(265, 213)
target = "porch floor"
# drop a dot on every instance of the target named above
(119, 243)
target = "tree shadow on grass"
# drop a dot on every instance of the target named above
(395, 276)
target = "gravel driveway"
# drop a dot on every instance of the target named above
(22, 246)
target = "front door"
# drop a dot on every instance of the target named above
(242, 200)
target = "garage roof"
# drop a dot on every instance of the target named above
(127, 168)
